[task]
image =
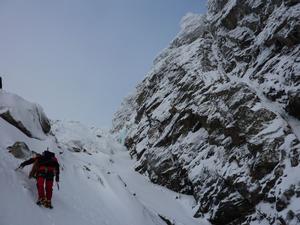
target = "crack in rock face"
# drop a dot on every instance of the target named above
(217, 116)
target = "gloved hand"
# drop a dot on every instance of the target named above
(57, 179)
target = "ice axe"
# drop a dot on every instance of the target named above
(57, 184)
(19, 167)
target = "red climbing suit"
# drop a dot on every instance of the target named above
(45, 167)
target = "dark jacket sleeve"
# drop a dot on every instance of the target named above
(28, 162)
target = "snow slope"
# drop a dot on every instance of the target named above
(98, 184)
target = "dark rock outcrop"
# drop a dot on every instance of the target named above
(293, 106)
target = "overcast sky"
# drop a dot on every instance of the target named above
(80, 58)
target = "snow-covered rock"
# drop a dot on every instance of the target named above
(218, 114)
(20, 150)
(27, 117)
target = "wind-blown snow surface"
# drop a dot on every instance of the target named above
(98, 184)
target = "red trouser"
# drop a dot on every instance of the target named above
(41, 188)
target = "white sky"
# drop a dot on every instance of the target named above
(79, 59)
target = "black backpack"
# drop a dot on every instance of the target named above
(48, 155)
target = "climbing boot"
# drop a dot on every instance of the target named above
(48, 204)
(41, 201)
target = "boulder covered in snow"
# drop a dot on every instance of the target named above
(27, 117)
(218, 114)
(20, 150)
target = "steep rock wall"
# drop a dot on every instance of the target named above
(218, 114)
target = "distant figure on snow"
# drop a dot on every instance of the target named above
(44, 168)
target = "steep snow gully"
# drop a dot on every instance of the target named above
(98, 183)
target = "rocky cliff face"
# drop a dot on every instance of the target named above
(218, 115)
